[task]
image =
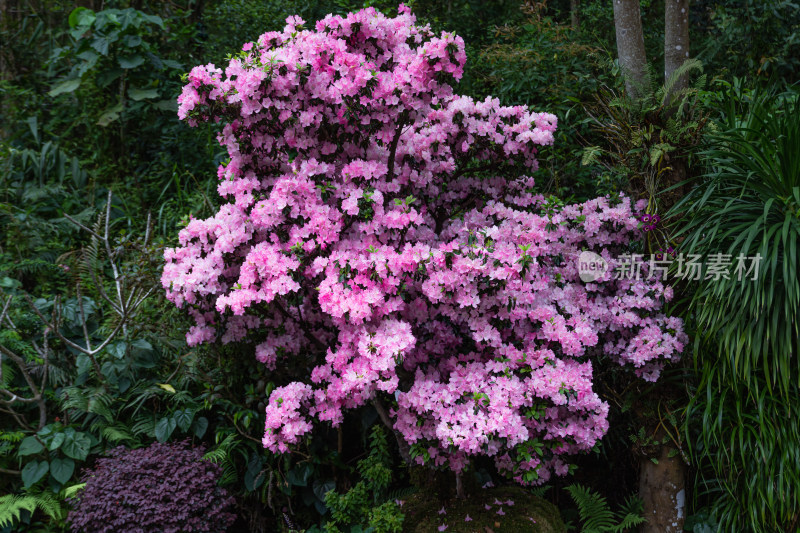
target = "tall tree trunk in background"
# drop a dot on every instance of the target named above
(3, 24)
(676, 52)
(662, 484)
(676, 40)
(662, 488)
(574, 14)
(630, 45)
(7, 7)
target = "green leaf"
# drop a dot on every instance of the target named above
(30, 446)
(72, 490)
(164, 428)
(100, 43)
(254, 477)
(124, 383)
(107, 76)
(62, 469)
(299, 475)
(118, 349)
(166, 105)
(142, 94)
(76, 445)
(33, 125)
(155, 19)
(183, 418)
(57, 441)
(140, 346)
(109, 116)
(81, 16)
(33, 472)
(131, 61)
(9, 283)
(200, 426)
(132, 41)
(321, 488)
(66, 86)
(83, 364)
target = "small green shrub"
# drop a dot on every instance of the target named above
(365, 507)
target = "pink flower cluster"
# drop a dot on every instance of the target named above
(382, 234)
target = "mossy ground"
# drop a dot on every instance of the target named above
(528, 514)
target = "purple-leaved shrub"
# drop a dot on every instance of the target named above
(164, 488)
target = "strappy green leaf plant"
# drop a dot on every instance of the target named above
(745, 418)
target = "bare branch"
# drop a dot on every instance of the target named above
(89, 230)
(83, 317)
(138, 302)
(147, 229)
(20, 420)
(37, 397)
(23, 366)
(401, 123)
(5, 310)
(112, 262)
(90, 353)
(303, 325)
(402, 444)
(103, 294)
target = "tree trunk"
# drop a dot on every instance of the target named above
(662, 489)
(630, 46)
(676, 40)
(461, 494)
(574, 13)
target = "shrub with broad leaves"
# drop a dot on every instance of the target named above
(383, 242)
(164, 487)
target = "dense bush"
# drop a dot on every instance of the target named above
(162, 488)
(381, 233)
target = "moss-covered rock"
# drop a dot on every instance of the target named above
(489, 511)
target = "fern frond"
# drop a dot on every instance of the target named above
(144, 425)
(688, 66)
(399, 494)
(592, 508)
(12, 505)
(71, 491)
(116, 433)
(100, 404)
(220, 453)
(74, 398)
(630, 515)
(540, 491)
(230, 473)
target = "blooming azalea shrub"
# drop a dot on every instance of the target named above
(164, 487)
(382, 242)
